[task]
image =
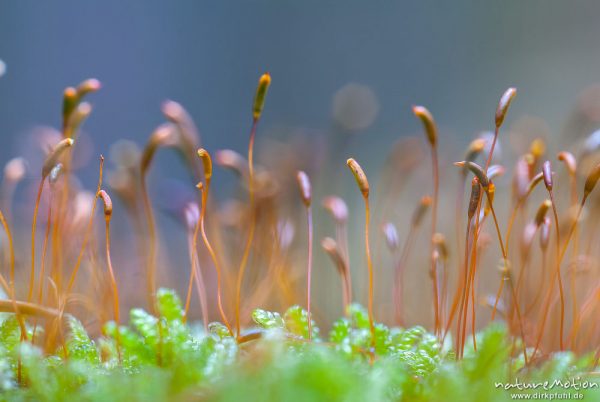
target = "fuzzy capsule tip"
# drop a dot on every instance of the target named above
(547, 174)
(55, 154)
(206, 162)
(108, 206)
(541, 212)
(476, 170)
(304, 186)
(261, 93)
(569, 161)
(504, 104)
(428, 123)
(359, 176)
(591, 180)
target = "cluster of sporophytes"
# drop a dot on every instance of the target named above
(538, 328)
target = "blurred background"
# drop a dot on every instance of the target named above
(345, 75)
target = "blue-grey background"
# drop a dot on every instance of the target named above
(456, 57)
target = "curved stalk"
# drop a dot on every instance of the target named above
(248, 246)
(213, 255)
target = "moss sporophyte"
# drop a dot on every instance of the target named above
(63, 337)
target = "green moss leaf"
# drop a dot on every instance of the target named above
(79, 344)
(146, 325)
(340, 331)
(296, 322)
(134, 351)
(169, 305)
(10, 335)
(267, 319)
(219, 330)
(358, 315)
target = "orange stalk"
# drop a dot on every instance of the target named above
(207, 163)
(87, 233)
(115, 291)
(259, 101)
(431, 132)
(363, 185)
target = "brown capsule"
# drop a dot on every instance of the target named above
(206, 162)
(328, 244)
(54, 155)
(428, 123)
(541, 212)
(331, 248)
(162, 136)
(530, 160)
(391, 236)
(547, 174)
(232, 160)
(504, 104)
(528, 236)
(569, 161)
(337, 208)
(439, 240)
(475, 148)
(15, 170)
(491, 192)
(495, 171)
(176, 114)
(537, 148)
(261, 93)
(591, 180)
(477, 171)
(266, 185)
(359, 176)
(78, 116)
(474, 198)
(88, 86)
(545, 234)
(174, 111)
(107, 203)
(304, 186)
(535, 181)
(422, 208)
(70, 100)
